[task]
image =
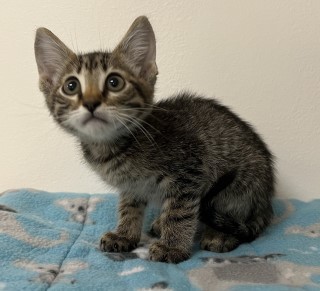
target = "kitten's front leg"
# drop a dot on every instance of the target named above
(178, 222)
(127, 235)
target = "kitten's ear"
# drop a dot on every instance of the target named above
(138, 47)
(51, 55)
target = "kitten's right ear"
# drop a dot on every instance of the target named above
(51, 55)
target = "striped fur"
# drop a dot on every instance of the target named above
(195, 157)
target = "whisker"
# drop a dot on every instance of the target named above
(141, 127)
(119, 119)
(76, 40)
(71, 39)
(114, 124)
(100, 39)
(141, 110)
(32, 115)
(141, 120)
(158, 107)
(33, 106)
(44, 135)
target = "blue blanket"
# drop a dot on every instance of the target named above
(50, 241)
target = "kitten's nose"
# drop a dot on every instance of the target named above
(91, 105)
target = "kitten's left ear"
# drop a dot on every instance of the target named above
(138, 47)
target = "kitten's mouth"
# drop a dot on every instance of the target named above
(93, 119)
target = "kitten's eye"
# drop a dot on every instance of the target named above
(115, 83)
(71, 86)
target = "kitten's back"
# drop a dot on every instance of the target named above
(214, 124)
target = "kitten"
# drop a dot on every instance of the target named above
(192, 154)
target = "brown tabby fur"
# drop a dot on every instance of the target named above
(195, 157)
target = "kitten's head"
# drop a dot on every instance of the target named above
(101, 95)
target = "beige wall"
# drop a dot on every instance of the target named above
(261, 58)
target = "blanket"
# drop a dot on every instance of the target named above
(51, 241)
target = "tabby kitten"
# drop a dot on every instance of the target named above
(191, 154)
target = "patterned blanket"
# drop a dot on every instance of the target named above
(50, 241)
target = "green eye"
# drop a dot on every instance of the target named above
(115, 83)
(71, 86)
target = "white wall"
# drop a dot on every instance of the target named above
(261, 58)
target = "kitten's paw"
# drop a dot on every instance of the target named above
(112, 242)
(219, 242)
(161, 253)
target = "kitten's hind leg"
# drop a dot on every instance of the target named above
(236, 209)
(217, 241)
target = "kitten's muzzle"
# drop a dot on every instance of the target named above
(93, 114)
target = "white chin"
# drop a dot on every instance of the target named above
(96, 130)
